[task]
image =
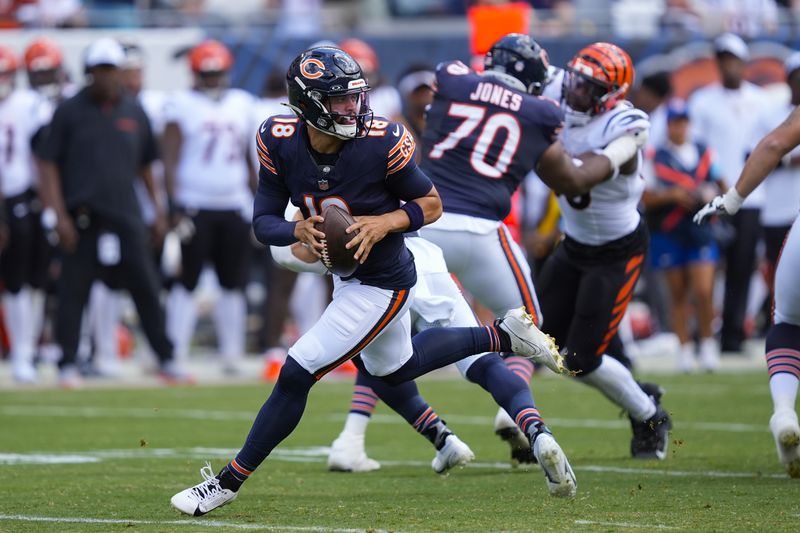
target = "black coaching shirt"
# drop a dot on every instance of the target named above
(99, 149)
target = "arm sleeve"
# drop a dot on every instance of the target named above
(284, 257)
(409, 183)
(53, 139)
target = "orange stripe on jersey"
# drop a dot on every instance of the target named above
(401, 153)
(399, 299)
(634, 262)
(519, 276)
(705, 164)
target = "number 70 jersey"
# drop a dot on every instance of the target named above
(481, 139)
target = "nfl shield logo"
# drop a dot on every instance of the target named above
(323, 185)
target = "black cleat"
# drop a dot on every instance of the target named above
(651, 437)
(521, 452)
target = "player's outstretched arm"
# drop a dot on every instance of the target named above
(575, 176)
(763, 160)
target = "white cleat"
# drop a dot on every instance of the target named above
(454, 453)
(347, 455)
(786, 431)
(508, 431)
(203, 497)
(528, 341)
(24, 373)
(561, 480)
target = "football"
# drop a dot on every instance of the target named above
(335, 256)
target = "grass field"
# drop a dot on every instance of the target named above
(109, 460)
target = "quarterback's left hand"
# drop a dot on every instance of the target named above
(371, 229)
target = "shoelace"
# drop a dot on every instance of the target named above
(210, 486)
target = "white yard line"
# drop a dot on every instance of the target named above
(319, 454)
(187, 522)
(237, 416)
(623, 524)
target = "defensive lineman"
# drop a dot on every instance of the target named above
(586, 284)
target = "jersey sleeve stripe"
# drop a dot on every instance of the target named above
(401, 153)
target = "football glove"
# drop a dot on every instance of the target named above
(726, 204)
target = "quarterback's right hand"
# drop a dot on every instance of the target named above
(306, 233)
(726, 204)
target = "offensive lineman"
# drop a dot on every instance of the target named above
(783, 338)
(484, 132)
(332, 152)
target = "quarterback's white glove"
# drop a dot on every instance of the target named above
(726, 204)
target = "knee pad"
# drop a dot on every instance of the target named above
(294, 377)
(582, 363)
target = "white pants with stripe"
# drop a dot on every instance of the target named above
(489, 264)
(360, 319)
(787, 288)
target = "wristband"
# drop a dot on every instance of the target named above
(620, 151)
(416, 217)
(732, 201)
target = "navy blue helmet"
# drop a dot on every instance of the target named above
(323, 72)
(520, 57)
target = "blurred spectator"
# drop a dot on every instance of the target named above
(782, 187)
(723, 118)
(749, 18)
(52, 14)
(651, 97)
(97, 145)
(416, 90)
(686, 176)
(552, 17)
(383, 99)
(682, 18)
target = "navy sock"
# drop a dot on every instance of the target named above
(277, 418)
(783, 345)
(405, 399)
(438, 347)
(508, 389)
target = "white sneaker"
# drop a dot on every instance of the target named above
(709, 355)
(203, 497)
(561, 480)
(686, 358)
(347, 455)
(786, 431)
(454, 453)
(528, 341)
(508, 431)
(24, 372)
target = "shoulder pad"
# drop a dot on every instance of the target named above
(624, 119)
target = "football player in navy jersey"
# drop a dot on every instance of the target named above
(484, 133)
(335, 152)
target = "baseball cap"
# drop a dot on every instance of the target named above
(105, 51)
(792, 63)
(732, 44)
(677, 108)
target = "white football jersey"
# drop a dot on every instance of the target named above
(609, 210)
(22, 113)
(212, 169)
(782, 186)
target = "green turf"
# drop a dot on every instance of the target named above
(407, 497)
